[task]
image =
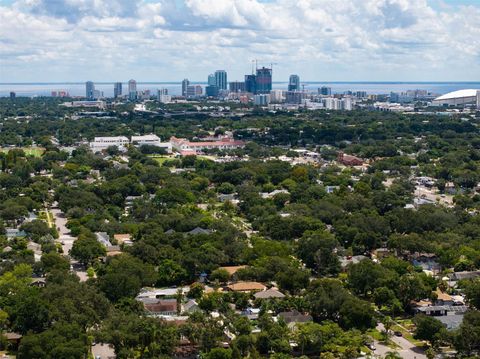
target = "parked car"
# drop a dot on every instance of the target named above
(397, 333)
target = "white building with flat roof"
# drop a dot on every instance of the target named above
(102, 143)
(151, 140)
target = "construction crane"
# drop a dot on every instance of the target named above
(256, 61)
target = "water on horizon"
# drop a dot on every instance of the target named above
(174, 88)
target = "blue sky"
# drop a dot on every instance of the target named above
(168, 40)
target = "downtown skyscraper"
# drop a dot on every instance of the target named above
(263, 81)
(221, 79)
(294, 83)
(89, 90)
(132, 90)
(117, 89)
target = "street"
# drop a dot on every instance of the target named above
(102, 351)
(407, 350)
(66, 240)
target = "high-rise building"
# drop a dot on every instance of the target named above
(221, 79)
(117, 89)
(237, 86)
(212, 81)
(13, 95)
(294, 83)
(276, 96)
(295, 97)
(163, 96)
(185, 84)
(325, 91)
(97, 94)
(132, 90)
(250, 83)
(263, 81)
(89, 90)
(211, 91)
(194, 91)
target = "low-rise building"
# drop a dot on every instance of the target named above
(102, 143)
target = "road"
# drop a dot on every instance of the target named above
(102, 351)
(407, 350)
(66, 239)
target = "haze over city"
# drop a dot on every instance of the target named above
(375, 40)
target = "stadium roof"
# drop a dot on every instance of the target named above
(458, 94)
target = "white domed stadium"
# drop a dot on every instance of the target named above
(459, 98)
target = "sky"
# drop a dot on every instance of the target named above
(168, 40)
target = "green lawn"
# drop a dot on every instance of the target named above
(29, 151)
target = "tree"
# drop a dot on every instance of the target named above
(53, 260)
(124, 277)
(63, 341)
(318, 252)
(356, 313)
(428, 328)
(467, 338)
(324, 298)
(87, 249)
(472, 293)
(220, 274)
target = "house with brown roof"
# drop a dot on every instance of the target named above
(349, 160)
(160, 307)
(246, 287)
(123, 238)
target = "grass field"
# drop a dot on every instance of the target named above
(29, 151)
(162, 159)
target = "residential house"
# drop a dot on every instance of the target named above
(271, 293)
(246, 287)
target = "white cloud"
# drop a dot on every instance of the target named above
(55, 40)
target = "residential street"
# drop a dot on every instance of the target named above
(407, 350)
(66, 240)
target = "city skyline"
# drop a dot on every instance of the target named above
(377, 40)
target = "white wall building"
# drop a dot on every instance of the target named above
(152, 140)
(102, 143)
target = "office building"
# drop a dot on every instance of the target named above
(89, 90)
(117, 89)
(212, 81)
(325, 91)
(237, 86)
(163, 96)
(221, 79)
(185, 84)
(361, 94)
(194, 91)
(102, 143)
(97, 94)
(294, 97)
(347, 104)
(294, 83)
(263, 81)
(212, 90)
(394, 97)
(261, 99)
(250, 83)
(13, 95)
(276, 96)
(132, 90)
